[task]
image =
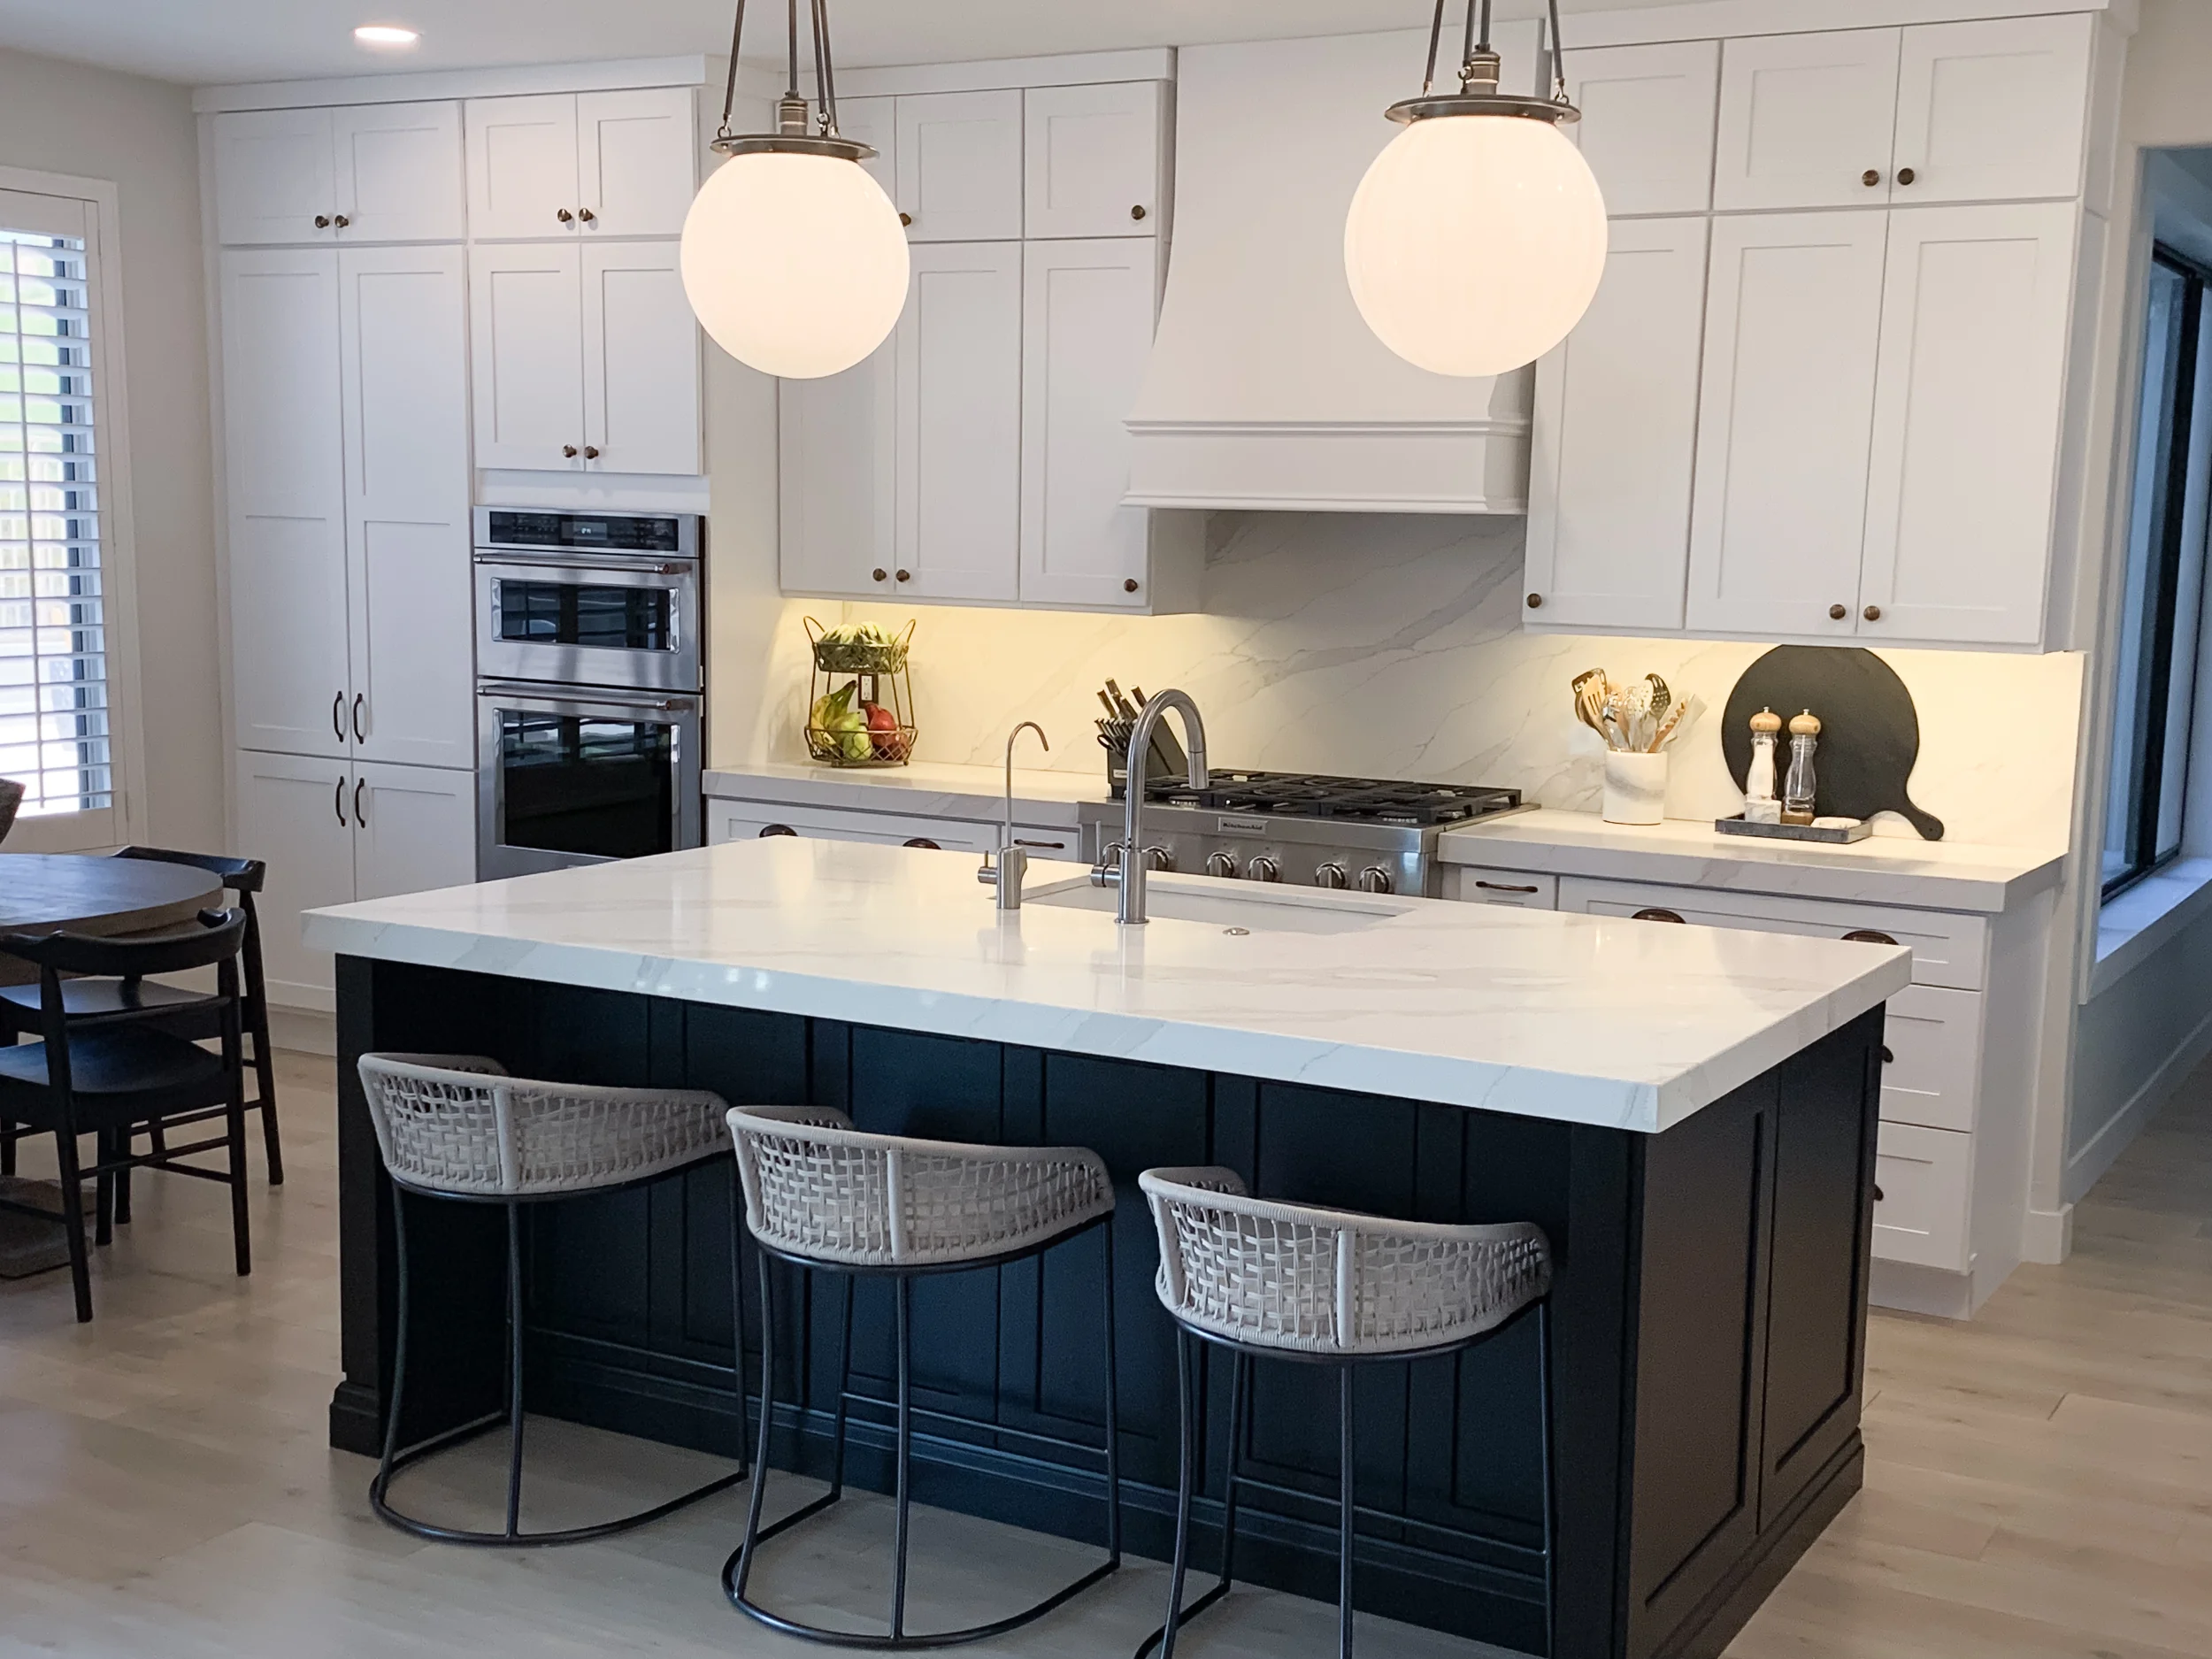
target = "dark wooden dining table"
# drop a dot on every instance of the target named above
(82, 893)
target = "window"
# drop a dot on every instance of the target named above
(2163, 601)
(54, 737)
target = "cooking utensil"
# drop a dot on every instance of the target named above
(1662, 698)
(1677, 716)
(1589, 695)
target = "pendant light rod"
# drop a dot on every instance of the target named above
(1436, 44)
(1558, 58)
(800, 128)
(729, 88)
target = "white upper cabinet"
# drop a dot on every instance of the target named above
(1094, 160)
(522, 165)
(527, 339)
(837, 464)
(1792, 325)
(1967, 419)
(875, 123)
(594, 164)
(405, 366)
(1647, 126)
(636, 161)
(398, 173)
(1994, 112)
(960, 413)
(641, 361)
(275, 176)
(1807, 120)
(286, 499)
(1615, 437)
(960, 166)
(1087, 314)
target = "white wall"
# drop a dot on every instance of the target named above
(65, 118)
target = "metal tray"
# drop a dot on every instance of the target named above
(1858, 832)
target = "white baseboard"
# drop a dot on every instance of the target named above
(2046, 1236)
(307, 1030)
(1911, 1288)
(2087, 1166)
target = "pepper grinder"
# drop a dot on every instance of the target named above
(1803, 784)
(1760, 805)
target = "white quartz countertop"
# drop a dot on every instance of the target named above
(1574, 1019)
(1882, 870)
(927, 789)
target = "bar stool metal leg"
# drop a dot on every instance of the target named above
(1344, 1512)
(1239, 1384)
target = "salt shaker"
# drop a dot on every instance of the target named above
(1803, 784)
(1760, 805)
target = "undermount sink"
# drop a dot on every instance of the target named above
(1257, 910)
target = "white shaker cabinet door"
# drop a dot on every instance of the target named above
(522, 167)
(526, 339)
(637, 161)
(273, 176)
(1975, 325)
(875, 123)
(1806, 120)
(838, 463)
(641, 361)
(960, 419)
(960, 166)
(414, 829)
(399, 173)
(1793, 324)
(1647, 126)
(1092, 164)
(404, 362)
(1993, 111)
(1615, 437)
(296, 814)
(286, 500)
(1087, 316)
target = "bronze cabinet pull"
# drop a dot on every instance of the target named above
(1888, 1058)
(906, 576)
(1836, 614)
(1500, 887)
(1906, 175)
(568, 449)
(322, 221)
(359, 736)
(776, 829)
(1056, 846)
(1869, 936)
(1657, 914)
(564, 216)
(591, 452)
(338, 715)
(587, 215)
(1536, 602)
(342, 221)
(1136, 212)
(1129, 585)
(338, 801)
(359, 817)
(1879, 1195)
(1870, 178)
(925, 844)
(1873, 613)
(907, 219)
(883, 575)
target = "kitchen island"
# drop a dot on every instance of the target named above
(1690, 1114)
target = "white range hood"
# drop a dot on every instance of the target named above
(1266, 389)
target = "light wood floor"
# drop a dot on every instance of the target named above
(2039, 1483)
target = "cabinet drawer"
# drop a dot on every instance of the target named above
(1925, 1177)
(750, 820)
(1946, 949)
(1934, 1037)
(1516, 889)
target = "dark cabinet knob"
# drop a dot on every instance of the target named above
(1873, 613)
(1536, 602)
(925, 844)
(1836, 614)
(1869, 936)
(342, 221)
(1880, 1196)
(907, 219)
(1655, 915)
(1906, 175)
(591, 452)
(1888, 1057)
(777, 829)
(568, 449)
(585, 214)
(882, 576)
(566, 217)
(906, 576)
(1130, 586)
(1870, 178)
(1137, 213)
(322, 221)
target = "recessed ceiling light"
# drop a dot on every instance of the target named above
(385, 35)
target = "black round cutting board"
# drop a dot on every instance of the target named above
(1870, 731)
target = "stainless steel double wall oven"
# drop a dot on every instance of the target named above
(589, 687)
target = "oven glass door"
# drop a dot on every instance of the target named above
(589, 625)
(578, 782)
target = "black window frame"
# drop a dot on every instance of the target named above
(2145, 725)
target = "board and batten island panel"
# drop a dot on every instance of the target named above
(1709, 1307)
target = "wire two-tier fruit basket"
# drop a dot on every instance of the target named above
(860, 697)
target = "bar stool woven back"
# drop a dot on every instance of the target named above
(1332, 1287)
(824, 1196)
(457, 1127)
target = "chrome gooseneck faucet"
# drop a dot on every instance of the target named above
(1129, 876)
(1013, 859)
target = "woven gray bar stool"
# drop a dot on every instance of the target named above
(1326, 1287)
(459, 1129)
(824, 1197)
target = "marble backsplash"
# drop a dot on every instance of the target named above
(1393, 647)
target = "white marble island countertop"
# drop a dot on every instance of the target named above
(1574, 1018)
(1882, 869)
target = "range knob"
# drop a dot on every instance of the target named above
(1375, 879)
(1222, 864)
(1158, 859)
(1333, 875)
(1263, 869)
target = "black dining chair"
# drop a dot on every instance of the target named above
(110, 1071)
(187, 1013)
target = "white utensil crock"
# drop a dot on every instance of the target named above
(1635, 787)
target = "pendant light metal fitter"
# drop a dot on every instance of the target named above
(1479, 70)
(801, 129)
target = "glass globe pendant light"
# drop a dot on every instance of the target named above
(1478, 239)
(794, 258)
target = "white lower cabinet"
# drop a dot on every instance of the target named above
(332, 832)
(1924, 1180)
(760, 820)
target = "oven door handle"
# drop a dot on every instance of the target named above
(525, 691)
(587, 565)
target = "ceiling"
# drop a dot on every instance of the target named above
(207, 42)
